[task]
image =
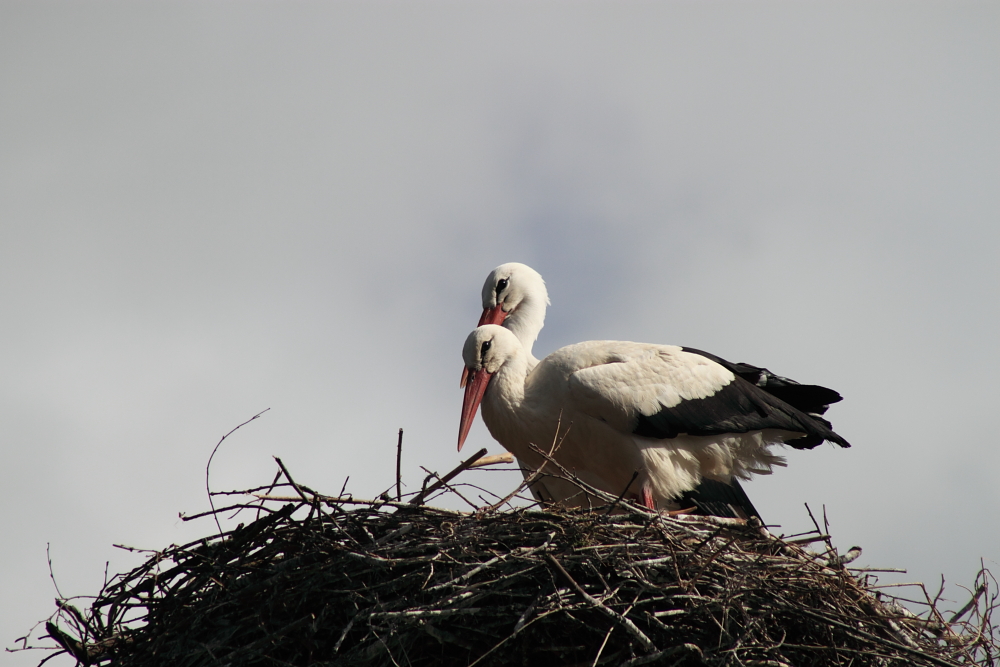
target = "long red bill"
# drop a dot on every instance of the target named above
(474, 390)
(494, 315)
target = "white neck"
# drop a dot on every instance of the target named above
(503, 398)
(526, 321)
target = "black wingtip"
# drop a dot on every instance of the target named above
(714, 498)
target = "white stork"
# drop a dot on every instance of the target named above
(619, 408)
(514, 296)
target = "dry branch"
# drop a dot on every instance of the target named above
(493, 460)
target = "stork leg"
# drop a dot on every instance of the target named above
(647, 499)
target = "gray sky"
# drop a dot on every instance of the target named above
(208, 209)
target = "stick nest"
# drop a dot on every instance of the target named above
(323, 581)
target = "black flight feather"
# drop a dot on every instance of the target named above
(739, 407)
(720, 499)
(809, 398)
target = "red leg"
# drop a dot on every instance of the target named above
(647, 499)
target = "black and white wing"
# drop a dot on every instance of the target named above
(663, 391)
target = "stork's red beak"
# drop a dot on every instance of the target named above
(494, 315)
(475, 383)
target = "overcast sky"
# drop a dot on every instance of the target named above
(209, 209)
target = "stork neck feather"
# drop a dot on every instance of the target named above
(507, 385)
(526, 321)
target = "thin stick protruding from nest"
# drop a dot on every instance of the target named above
(399, 460)
(291, 481)
(495, 459)
(584, 486)
(535, 474)
(419, 498)
(208, 488)
(969, 605)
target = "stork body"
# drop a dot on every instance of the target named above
(618, 408)
(514, 296)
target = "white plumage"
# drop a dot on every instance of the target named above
(515, 297)
(593, 395)
(675, 416)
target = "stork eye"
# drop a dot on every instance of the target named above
(501, 285)
(484, 348)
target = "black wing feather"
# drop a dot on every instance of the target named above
(739, 407)
(809, 398)
(720, 499)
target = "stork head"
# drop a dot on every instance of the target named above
(514, 295)
(486, 350)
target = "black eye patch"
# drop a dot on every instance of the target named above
(501, 285)
(484, 348)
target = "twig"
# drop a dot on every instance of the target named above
(54, 655)
(333, 501)
(815, 523)
(808, 540)
(192, 517)
(850, 556)
(968, 605)
(535, 474)
(399, 459)
(585, 487)
(689, 584)
(629, 625)
(604, 643)
(270, 488)
(875, 638)
(291, 481)
(70, 645)
(621, 495)
(451, 488)
(347, 628)
(898, 570)
(208, 465)
(666, 653)
(48, 556)
(447, 478)
(526, 482)
(510, 636)
(496, 459)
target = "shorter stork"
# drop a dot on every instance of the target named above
(619, 408)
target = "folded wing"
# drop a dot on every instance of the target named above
(663, 391)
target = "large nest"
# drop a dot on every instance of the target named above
(340, 581)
